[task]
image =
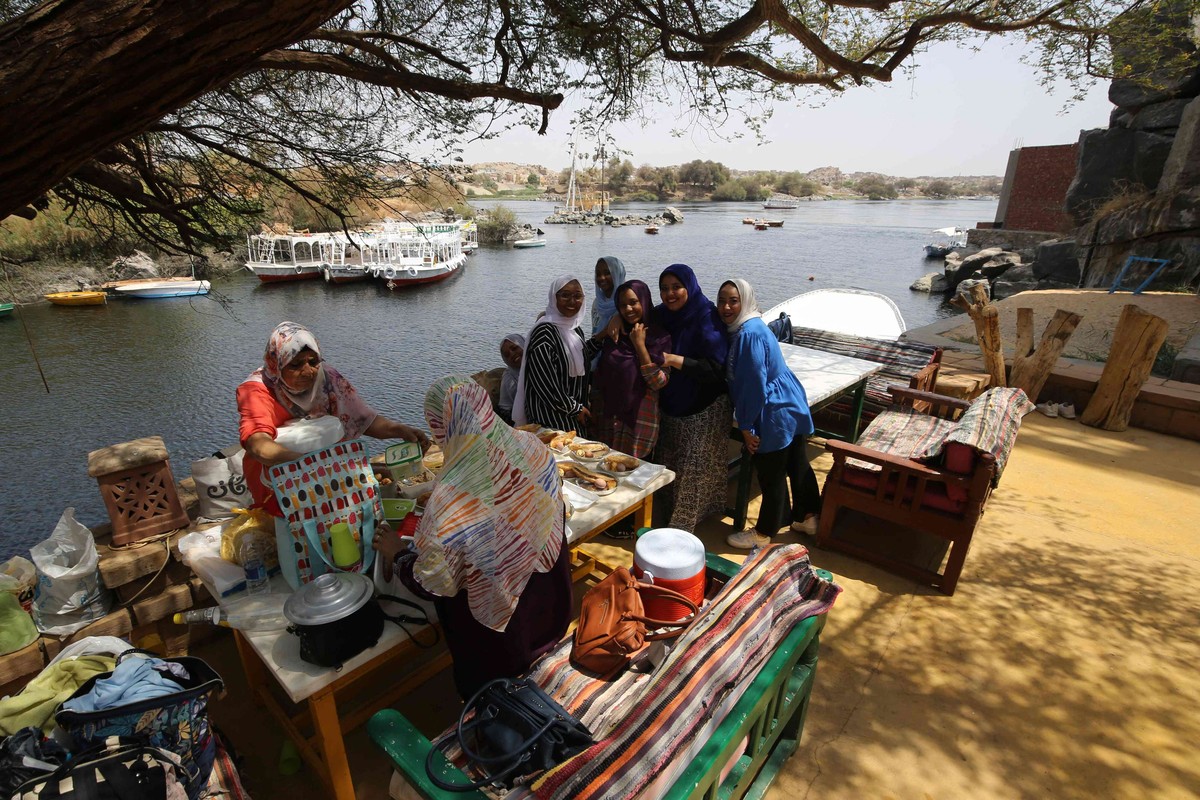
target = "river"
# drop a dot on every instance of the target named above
(169, 367)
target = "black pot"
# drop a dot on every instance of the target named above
(335, 617)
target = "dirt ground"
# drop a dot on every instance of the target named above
(1100, 311)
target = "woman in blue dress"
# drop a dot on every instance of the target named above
(771, 410)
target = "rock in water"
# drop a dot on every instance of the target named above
(933, 282)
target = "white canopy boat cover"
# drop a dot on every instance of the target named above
(852, 311)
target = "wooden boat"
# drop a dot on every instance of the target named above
(651, 229)
(537, 241)
(77, 298)
(852, 311)
(774, 223)
(150, 290)
(5, 309)
(950, 238)
(760, 226)
(111, 285)
(748, 220)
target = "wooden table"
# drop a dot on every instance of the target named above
(825, 378)
(274, 656)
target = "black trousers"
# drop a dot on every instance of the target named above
(775, 471)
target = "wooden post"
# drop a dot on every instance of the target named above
(987, 331)
(1135, 345)
(1032, 367)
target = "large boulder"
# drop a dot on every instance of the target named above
(1150, 152)
(932, 282)
(1106, 158)
(1018, 279)
(672, 214)
(997, 265)
(1159, 116)
(1057, 260)
(1182, 167)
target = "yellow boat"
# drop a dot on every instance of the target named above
(77, 298)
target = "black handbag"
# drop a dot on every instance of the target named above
(782, 327)
(516, 730)
(118, 769)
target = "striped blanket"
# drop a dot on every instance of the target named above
(642, 722)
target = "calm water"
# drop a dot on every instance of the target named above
(170, 367)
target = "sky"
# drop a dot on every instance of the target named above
(960, 114)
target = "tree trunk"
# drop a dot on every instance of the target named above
(1032, 368)
(987, 331)
(82, 75)
(1135, 345)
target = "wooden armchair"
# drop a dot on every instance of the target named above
(878, 477)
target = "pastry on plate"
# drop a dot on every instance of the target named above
(619, 462)
(596, 481)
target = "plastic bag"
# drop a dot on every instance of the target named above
(69, 593)
(16, 628)
(310, 433)
(254, 522)
(220, 486)
(201, 552)
(18, 576)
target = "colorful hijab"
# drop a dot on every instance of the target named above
(696, 332)
(495, 516)
(330, 394)
(620, 379)
(571, 342)
(603, 308)
(750, 307)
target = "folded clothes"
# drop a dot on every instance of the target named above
(35, 704)
(133, 680)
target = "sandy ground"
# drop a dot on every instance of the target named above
(1100, 311)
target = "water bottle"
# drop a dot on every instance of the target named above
(254, 567)
(262, 612)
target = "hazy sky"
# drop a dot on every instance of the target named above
(960, 114)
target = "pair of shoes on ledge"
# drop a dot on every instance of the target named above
(1064, 410)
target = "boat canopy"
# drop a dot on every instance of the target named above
(951, 231)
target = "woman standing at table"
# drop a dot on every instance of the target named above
(552, 389)
(771, 411)
(631, 374)
(695, 404)
(491, 549)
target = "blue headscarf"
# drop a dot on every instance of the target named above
(603, 308)
(696, 332)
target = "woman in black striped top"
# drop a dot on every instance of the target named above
(553, 387)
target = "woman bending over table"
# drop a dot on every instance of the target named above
(696, 412)
(552, 389)
(491, 549)
(771, 411)
(631, 374)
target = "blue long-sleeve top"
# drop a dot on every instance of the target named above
(768, 399)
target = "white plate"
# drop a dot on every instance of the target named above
(581, 499)
(587, 459)
(591, 488)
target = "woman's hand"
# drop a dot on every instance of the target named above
(411, 434)
(269, 452)
(384, 428)
(388, 545)
(613, 329)
(751, 442)
(637, 335)
(584, 415)
(672, 360)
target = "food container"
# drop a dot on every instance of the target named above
(403, 460)
(394, 511)
(336, 618)
(673, 559)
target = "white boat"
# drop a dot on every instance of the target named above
(406, 254)
(535, 242)
(298, 255)
(148, 290)
(853, 311)
(781, 202)
(470, 235)
(950, 238)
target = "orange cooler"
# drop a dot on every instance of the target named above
(673, 559)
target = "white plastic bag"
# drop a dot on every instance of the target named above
(311, 433)
(220, 486)
(18, 576)
(69, 593)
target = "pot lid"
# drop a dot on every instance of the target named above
(330, 597)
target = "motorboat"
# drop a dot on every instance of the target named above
(761, 226)
(852, 311)
(951, 238)
(77, 298)
(153, 290)
(748, 220)
(781, 202)
(408, 254)
(652, 229)
(295, 255)
(774, 223)
(537, 241)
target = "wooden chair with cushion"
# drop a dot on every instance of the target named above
(930, 468)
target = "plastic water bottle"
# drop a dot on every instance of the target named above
(254, 567)
(262, 612)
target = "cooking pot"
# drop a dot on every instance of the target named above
(335, 617)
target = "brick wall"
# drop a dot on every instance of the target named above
(1038, 189)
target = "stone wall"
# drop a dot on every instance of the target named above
(1026, 240)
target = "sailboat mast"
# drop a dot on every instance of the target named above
(571, 181)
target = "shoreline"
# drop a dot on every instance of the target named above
(27, 283)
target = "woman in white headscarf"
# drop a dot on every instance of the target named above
(512, 350)
(552, 389)
(770, 408)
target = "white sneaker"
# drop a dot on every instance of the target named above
(747, 539)
(1066, 410)
(1049, 409)
(808, 526)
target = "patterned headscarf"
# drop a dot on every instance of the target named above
(495, 516)
(603, 307)
(330, 393)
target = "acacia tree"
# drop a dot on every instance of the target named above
(181, 119)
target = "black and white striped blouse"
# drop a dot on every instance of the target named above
(552, 397)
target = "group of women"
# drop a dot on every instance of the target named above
(663, 382)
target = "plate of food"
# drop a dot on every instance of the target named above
(619, 463)
(558, 441)
(579, 499)
(434, 458)
(592, 480)
(588, 452)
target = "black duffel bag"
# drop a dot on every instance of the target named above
(119, 769)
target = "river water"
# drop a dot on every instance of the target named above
(169, 367)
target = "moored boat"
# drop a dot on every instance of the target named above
(760, 226)
(950, 238)
(781, 202)
(774, 223)
(747, 220)
(77, 298)
(407, 255)
(537, 241)
(852, 311)
(294, 256)
(6, 309)
(150, 290)
(651, 229)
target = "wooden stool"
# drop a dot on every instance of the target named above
(138, 489)
(963, 385)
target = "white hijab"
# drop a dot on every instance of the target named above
(749, 304)
(573, 344)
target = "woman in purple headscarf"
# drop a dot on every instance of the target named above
(696, 410)
(631, 374)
